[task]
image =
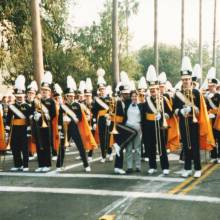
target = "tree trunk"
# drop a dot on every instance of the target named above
(37, 42)
(200, 34)
(115, 59)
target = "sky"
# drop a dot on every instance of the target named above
(169, 20)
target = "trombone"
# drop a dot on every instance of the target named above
(189, 94)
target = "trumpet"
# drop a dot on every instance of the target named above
(39, 108)
(113, 111)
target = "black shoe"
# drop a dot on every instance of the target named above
(138, 170)
(129, 171)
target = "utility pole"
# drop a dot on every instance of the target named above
(115, 58)
(182, 28)
(37, 42)
(156, 54)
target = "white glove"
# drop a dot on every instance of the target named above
(47, 116)
(196, 110)
(94, 127)
(28, 135)
(158, 116)
(37, 116)
(166, 116)
(183, 112)
(187, 110)
(66, 118)
(211, 115)
(61, 135)
(108, 122)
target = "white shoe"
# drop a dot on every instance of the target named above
(54, 158)
(197, 174)
(146, 159)
(45, 169)
(181, 161)
(88, 169)
(31, 158)
(151, 171)
(213, 160)
(26, 169)
(218, 161)
(186, 173)
(119, 171)
(166, 172)
(102, 160)
(78, 158)
(110, 157)
(89, 159)
(39, 169)
(117, 149)
(14, 169)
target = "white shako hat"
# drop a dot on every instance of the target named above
(151, 77)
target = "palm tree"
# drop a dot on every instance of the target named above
(156, 54)
(115, 60)
(200, 33)
(214, 35)
(37, 42)
(182, 28)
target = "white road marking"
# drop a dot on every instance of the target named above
(108, 209)
(99, 176)
(97, 192)
(75, 165)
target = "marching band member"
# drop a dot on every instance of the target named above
(89, 105)
(44, 111)
(17, 126)
(71, 114)
(195, 129)
(100, 110)
(142, 88)
(122, 133)
(155, 114)
(133, 115)
(213, 102)
(31, 94)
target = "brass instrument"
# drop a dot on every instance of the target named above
(164, 124)
(39, 108)
(65, 132)
(114, 113)
(157, 126)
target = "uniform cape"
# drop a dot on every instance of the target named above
(173, 140)
(206, 138)
(56, 139)
(2, 134)
(88, 140)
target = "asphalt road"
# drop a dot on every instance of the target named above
(73, 194)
